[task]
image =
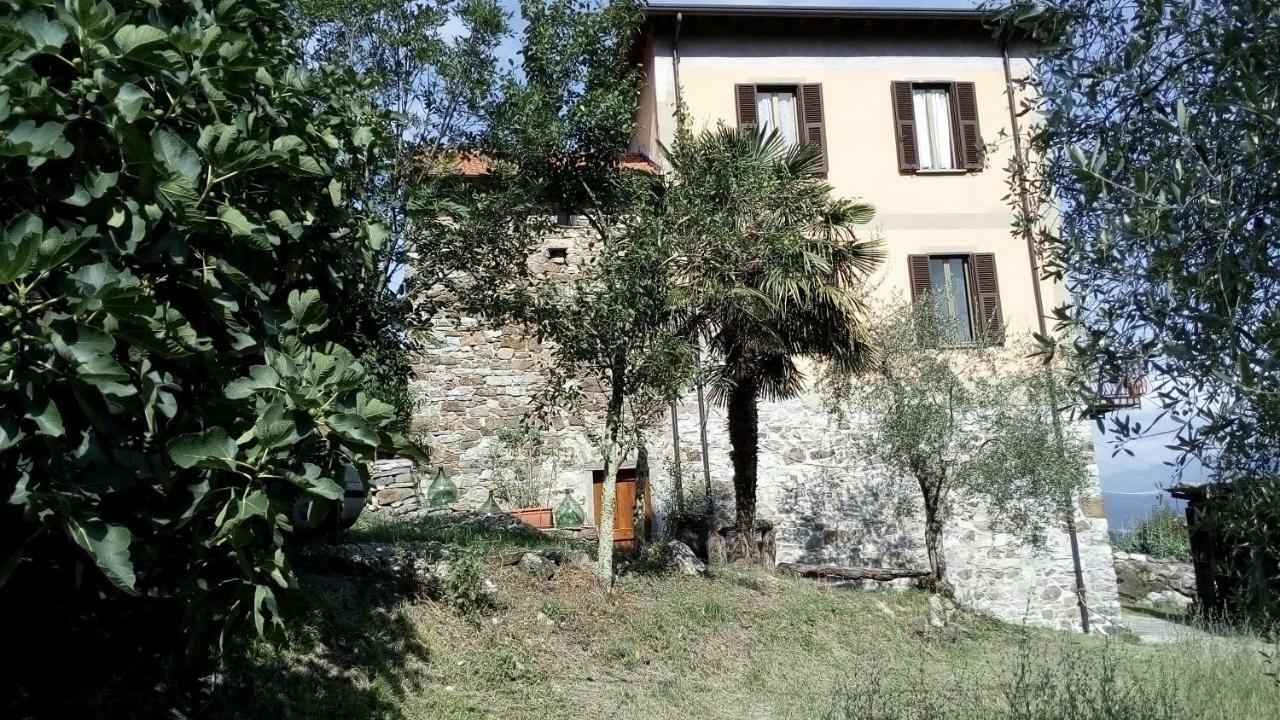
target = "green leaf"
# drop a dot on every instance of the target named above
(377, 233)
(47, 34)
(90, 342)
(178, 194)
(44, 413)
(175, 154)
(354, 428)
(10, 433)
(129, 100)
(307, 310)
(108, 545)
(236, 221)
(79, 197)
(130, 38)
(315, 483)
(58, 247)
(237, 510)
(18, 245)
(37, 142)
(261, 377)
(209, 448)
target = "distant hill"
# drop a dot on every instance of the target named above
(1124, 510)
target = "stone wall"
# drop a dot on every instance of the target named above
(829, 508)
(473, 382)
(393, 488)
(1155, 581)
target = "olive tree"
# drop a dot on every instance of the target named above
(1150, 179)
(555, 143)
(431, 68)
(962, 421)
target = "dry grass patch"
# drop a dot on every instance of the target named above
(742, 645)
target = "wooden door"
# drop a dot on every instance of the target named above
(624, 522)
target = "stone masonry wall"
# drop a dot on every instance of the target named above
(475, 381)
(829, 508)
(1155, 581)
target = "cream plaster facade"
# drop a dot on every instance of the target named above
(825, 505)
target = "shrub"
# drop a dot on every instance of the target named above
(176, 247)
(1162, 535)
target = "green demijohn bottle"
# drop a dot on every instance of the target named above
(569, 513)
(442, 491)
(489, 507)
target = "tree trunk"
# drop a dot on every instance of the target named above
(933, 528)
(745, 441)
(639, 510)
(609, 488)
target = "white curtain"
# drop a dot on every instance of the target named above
(777, 111)
(933, 128)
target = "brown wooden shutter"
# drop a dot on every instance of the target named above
(745, 97)
(904, 124)
(921, 286)
(921, 283)
(811, 121)
(987, 297)
(966, 102)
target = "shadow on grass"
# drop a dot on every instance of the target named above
(354, 653)
(1176, 616)
(463, 531)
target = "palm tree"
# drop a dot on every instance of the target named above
(775, 273)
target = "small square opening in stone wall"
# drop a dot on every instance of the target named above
(558, 254)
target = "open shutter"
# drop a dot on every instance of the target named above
(966, 102)
(921, 283)
(987, 291)
(904, 124)
(813, 126)
(745, 98)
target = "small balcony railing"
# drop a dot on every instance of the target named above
(1123, 394)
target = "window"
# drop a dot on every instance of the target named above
(776, 111)
(795, 111)
(936, 126)
(952, 296)
(932, 107)
(966, 294)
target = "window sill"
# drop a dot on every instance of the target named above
(955, 171)
(972, 345)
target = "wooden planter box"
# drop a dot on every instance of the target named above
(539, 517)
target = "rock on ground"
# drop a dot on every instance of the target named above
(684, 560)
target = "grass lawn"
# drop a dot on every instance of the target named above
(743, 645)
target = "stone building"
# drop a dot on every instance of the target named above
(913, 110)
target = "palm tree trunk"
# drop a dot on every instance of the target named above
(744, 420)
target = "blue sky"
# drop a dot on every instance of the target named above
(851, 4)
(1132, 485)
